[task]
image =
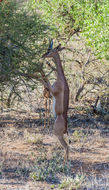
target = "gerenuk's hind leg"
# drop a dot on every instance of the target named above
(59, 128)
(64, 144)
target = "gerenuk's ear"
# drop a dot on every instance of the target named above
(59, 48)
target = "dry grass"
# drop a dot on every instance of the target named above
(32, 159)
(33, 138)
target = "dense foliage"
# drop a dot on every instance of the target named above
(90, 17)
(21, 41)
(25, 29)
(22, 35)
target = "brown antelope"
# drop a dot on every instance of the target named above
(60, 92)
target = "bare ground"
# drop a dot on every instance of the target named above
(19, 155)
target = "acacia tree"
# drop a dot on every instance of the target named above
(88, 17)
(89, 20)
(22, 42)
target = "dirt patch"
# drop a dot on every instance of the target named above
(20, 160)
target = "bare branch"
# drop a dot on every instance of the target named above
(53, 68)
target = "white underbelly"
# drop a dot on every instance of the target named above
(53, 109)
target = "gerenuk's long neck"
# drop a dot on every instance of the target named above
(60, 75)
(60, 72)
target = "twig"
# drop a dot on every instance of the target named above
(53, 68)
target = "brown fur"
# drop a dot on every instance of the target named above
(58, 90)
